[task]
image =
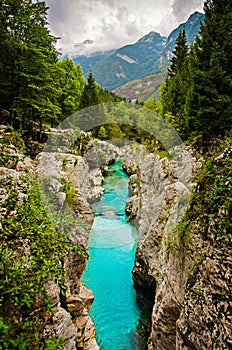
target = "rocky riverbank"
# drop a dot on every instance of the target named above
(191, 271)
(71, 320)
(83, 175)
(191, 294)
(71, 182)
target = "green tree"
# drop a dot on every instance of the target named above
(174, 91)
(27, 63)
(180, 54)
(209, 104)
(71, 84)
(90, 93)
(105, 96)
(154, 105)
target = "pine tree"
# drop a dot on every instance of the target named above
(174, 92)
(180, 54)
(27, 63)
(209, 104)
(90, 93)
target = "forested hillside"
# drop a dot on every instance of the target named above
(196, 97)
(36, 89)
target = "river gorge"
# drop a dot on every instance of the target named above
(186, 273)
(108, 274)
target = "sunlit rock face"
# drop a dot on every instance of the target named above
(192, 273)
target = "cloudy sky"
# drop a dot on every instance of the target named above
(86, 26)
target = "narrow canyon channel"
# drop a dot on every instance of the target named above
(112, 247)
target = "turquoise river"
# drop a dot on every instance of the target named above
(112, 247)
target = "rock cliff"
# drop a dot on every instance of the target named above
(191, 270)
(74, 182)
(63, 172)
(67, 180)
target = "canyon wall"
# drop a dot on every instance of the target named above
(83, 175)
(70, 183)
(71, 320)
(192, 274)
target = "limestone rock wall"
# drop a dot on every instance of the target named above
(71, 320)
(85, 176)
(193, 279)
(56, 170)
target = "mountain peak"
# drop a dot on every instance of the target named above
(192, 28)
(149, 55)
(150, 38)
(194, 17)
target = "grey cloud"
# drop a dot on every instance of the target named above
(61, 15)
(113, 23)
(84, 43)
(183, 8)
(122, 13)
(109, 3)
(106, 26)
(88, 42)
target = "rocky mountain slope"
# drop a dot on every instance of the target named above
(145, 87)
(88, 62)
(149, 55)
(192, 28)
(140, 89)
(130, 62)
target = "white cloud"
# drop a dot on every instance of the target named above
(106, 24)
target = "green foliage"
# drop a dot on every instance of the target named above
(209, 105)
(31, 250)
(210, 205)
(105, 96)
(102, 133)
(174, 91)
(125, 122)
(71, 84)
(196, 98)
(154, 105)
(13, 137)
(180, 54)
(71, 195)
(27, 58)
(90, 93)
(180, 239)
(214, 194)
(93, 94)
(37, 90)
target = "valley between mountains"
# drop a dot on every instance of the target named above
(136, 71)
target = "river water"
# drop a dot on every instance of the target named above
(112, 247)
